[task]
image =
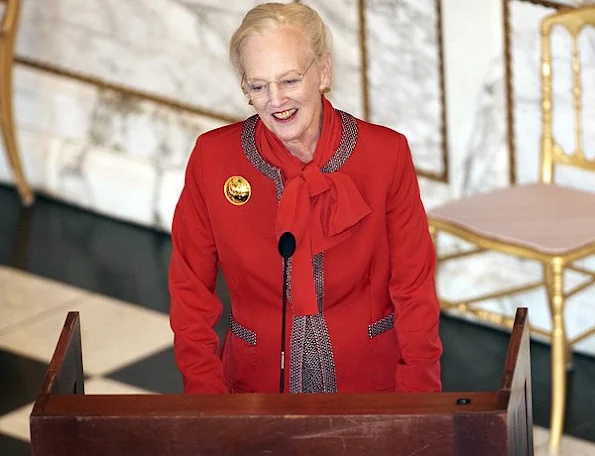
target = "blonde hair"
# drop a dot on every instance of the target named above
(269, 17)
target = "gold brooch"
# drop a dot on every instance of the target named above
(237, 190)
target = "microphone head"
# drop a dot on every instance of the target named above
(286, 244)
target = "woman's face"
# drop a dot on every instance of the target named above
(291, 110)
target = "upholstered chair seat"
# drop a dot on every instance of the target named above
(548, 218)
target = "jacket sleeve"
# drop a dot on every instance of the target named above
(412, 288)
(195, 308)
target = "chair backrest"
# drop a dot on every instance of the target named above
(9, 18)
(574, 21)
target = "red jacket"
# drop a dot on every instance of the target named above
(377, 287)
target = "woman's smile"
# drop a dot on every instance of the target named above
(285, 116)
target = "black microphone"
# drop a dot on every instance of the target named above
(286, 245)
(286, 249)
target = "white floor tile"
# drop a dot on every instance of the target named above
(571, 446)
(4, 275)
(25, 296)
(16, 423)
(540, 435)
(113, 333)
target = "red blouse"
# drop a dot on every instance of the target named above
(377, 322)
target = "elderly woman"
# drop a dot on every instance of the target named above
(362, 314)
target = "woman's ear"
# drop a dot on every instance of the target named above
(326, 73)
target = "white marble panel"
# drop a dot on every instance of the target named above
(341, 17)
(172, 182)
(475, 95)
(170, 47)
(179, 49)
(83, 113)
(67, 127)
(405, 91)
(90, 146)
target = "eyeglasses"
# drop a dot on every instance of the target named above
(290, 82)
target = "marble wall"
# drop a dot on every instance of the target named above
(123, 156)
(89, 145)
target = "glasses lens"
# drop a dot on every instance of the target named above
(257, 88)
(289, 82)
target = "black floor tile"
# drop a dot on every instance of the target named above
(20, 380)
(13, 447)
(155, 373)
(473, 356)
(474, 360)
(10, 225)
(580, 413)
(85, 250)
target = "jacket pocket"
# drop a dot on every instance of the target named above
(241, 332)
(384, 352)
(240, 372)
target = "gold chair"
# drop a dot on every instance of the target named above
(542, 221)
(8, 28)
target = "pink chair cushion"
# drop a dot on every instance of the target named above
(545, 217)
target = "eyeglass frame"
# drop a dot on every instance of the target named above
(245, 83)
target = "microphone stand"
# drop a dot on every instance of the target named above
(286, 248)
(283, 324)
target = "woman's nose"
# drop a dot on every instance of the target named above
(276, 94)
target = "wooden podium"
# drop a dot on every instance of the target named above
(66, 422)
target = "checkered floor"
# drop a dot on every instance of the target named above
(57, 258)
(126, 349)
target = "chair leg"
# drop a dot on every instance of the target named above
(8, 126)
(434, 234)
(554, 281)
